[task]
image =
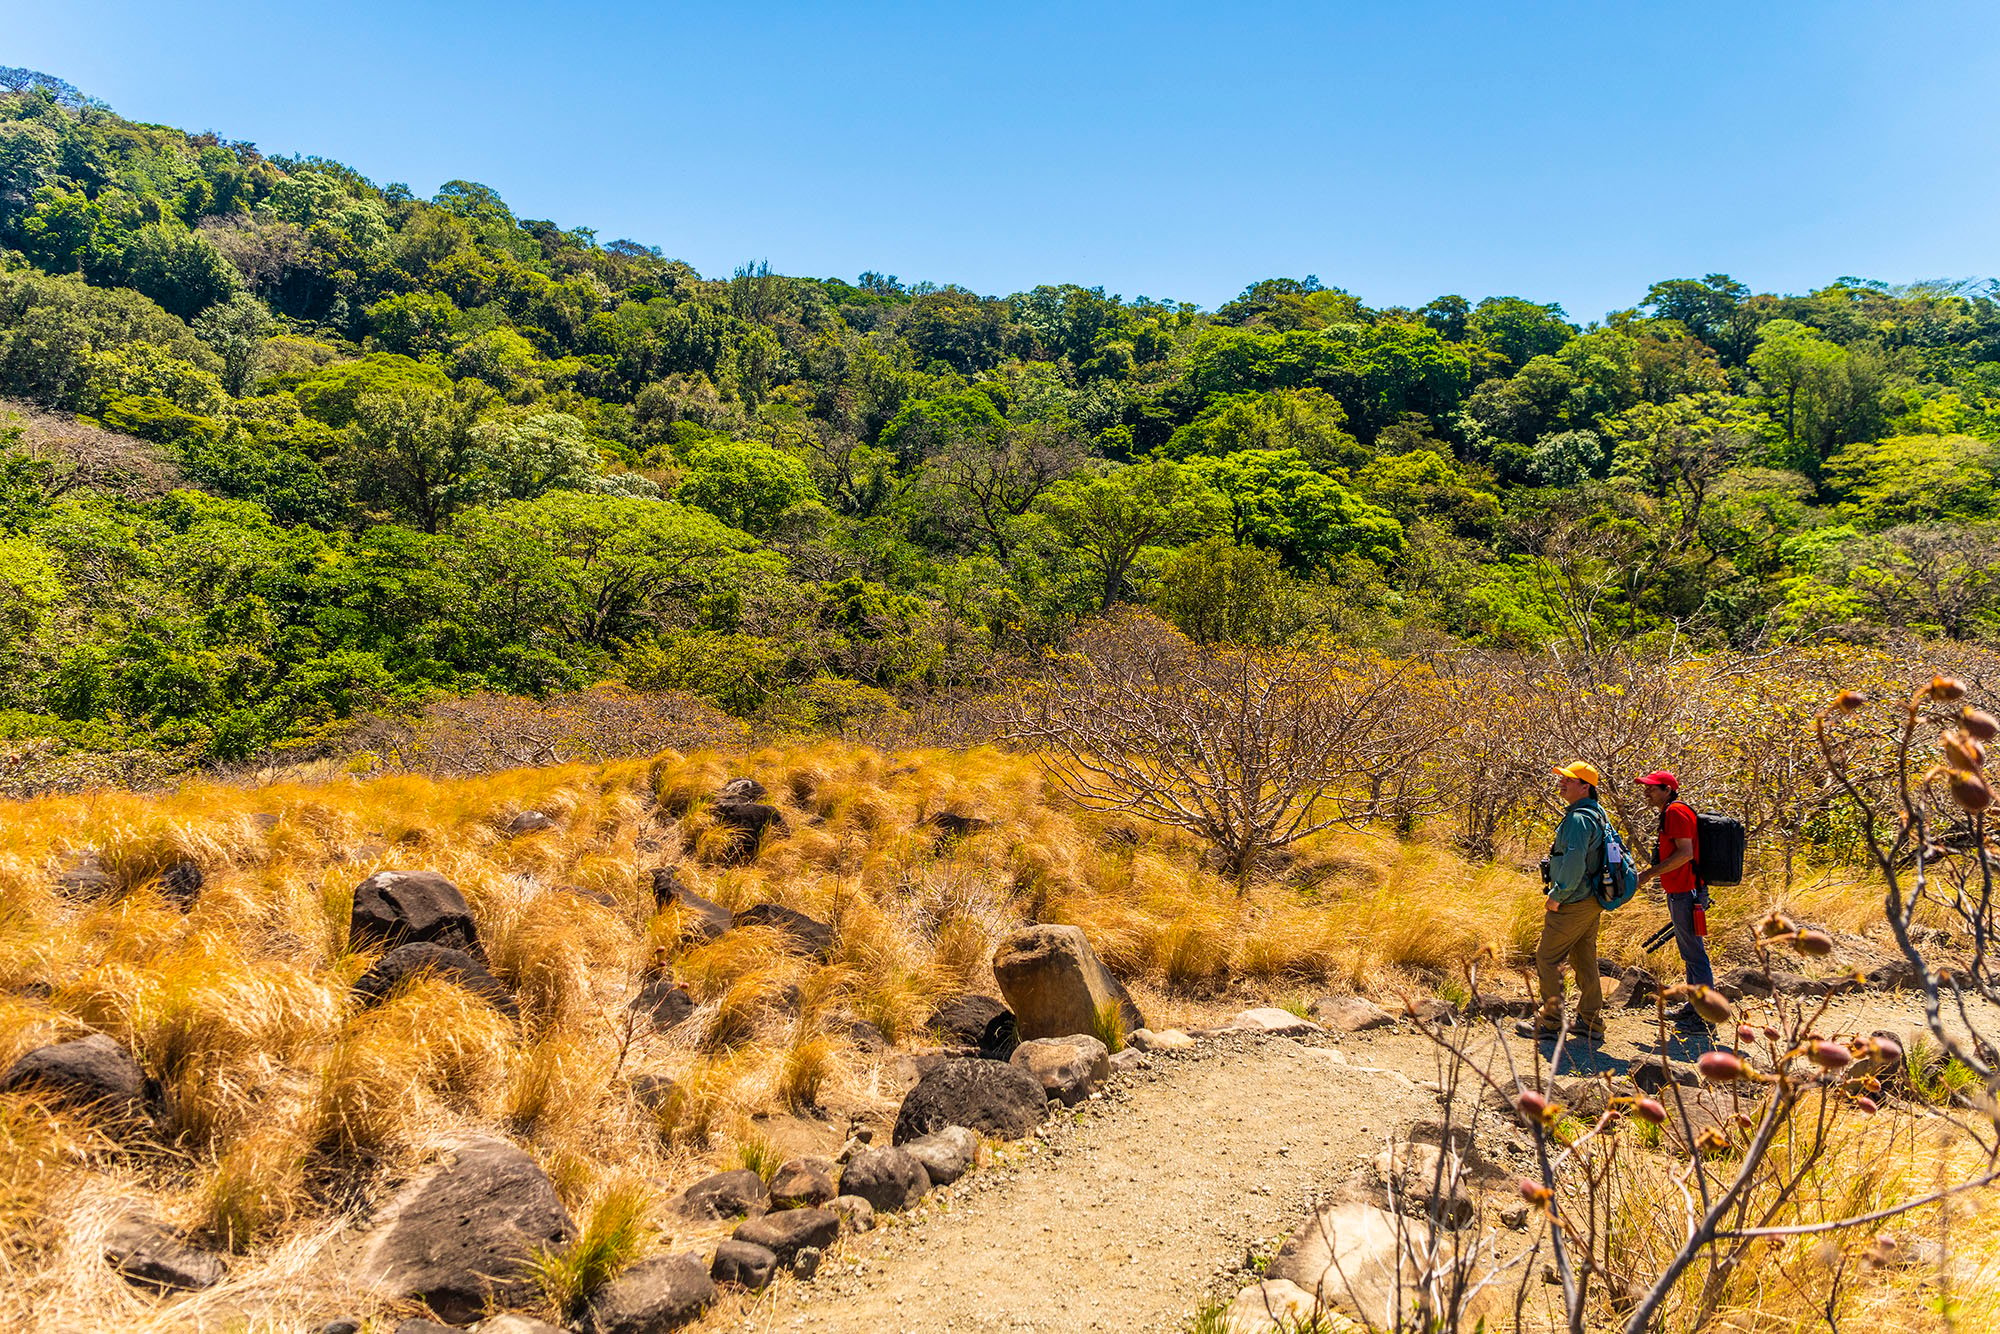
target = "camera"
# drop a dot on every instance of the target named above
(1545, 870)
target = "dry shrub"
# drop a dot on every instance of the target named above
(552, 948)
(808, 1064)
(255, 1189)
(432, 1041)
(555, 1088)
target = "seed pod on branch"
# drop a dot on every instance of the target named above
(1720, 1067)
(1711, 1005)
(1982, 726)
(1961, 751)
(1817, 944)
(1829, 1055)
(1847, 701)
(1947, 690)
(1969, 790)
(1649, 1109)
(1775, 925)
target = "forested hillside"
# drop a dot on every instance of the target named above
(282, 445)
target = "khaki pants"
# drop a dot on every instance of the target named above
(1570, 932)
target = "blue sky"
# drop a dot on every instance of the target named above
(1401, 149)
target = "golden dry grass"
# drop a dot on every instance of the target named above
(276, 1085)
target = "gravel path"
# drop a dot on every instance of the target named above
(1127, 1212)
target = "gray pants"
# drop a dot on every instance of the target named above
(1694, 951)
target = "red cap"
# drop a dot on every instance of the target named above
(1661, 778)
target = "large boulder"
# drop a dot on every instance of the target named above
(1271, 1307)
(725, 1195)
(461, 1235)
(739, 808)
(1068, 1069)
(1270, 1019)
(808, 935)
(803, 1183)
(91, 1072)
(1347, 1256)
(964, 1020)
(1056, 985)
(991, 1097)
(395, 907)
(946, 1154)
(652, 1297)
(151, 1255)
(890, 1179)
(701, 920)
(661, 1001)
(790, 1231)
(441, 961)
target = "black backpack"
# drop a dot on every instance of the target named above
(1718, 849)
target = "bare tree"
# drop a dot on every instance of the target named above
(1251, 749)
(73, 455)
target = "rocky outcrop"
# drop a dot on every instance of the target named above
(739, 808)
(393, 908)
(991, 1097)
(91, 1072)
(1346, 1256)
(1068, 1069)
(652, 1297)
(461, 1234)
(745, 1264)
(1056, 985)
(890, 1179)
(700, 920)
(725, 1195)
(427, 957)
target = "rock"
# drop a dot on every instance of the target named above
(745, 1264)
(394, 907)
(651, 1091)
(652, 1297)
(89, 1072)
(806, 1263)
(991, 1097)
(1167, 1039)
(866, 1038)
(1055, 984)
(441, 961)
(1270, 1020)
(701, 921)
(1346, 1255)
(1126, 1061)
(1498, 1005)
(529, 822)
(1740, 982)
(787, 1231)
(1350, 1014)
(603, 898)
(740, 792)
(1635, 990)
(808, 935)
(725, 1195)
(516, 1324)
(1892, 974)
(1609, 968)
(341, 1326)
(662, 1001)
(85, 879)
(1270, 1307)
(461, 1235)
(1515, 1216)
(1070, 1068)
(891, 1179)
(946, 1154)
(964, 1022)
(1653, 1073)
(419, 1325)
(180, 883)
(950, 825)
(1432, 1010)
(1412, 1169)
(855, 1213)
(1708, 1110)
(803, 1183)
(150, 1255)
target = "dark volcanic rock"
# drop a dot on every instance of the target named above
(701, 921)
(803, 1183)
(890, 1179)
(395, 907)
(529, 822)
(992, 1097)
(460, 1236)
(951, 826)
(93, 1072)
(739, 807)
(181, 882)
(663, 1001)
(808, 935)
(745, 1264)
(946, 1154)
(739, 792)
(725, 1195)
(86, 879)
(1635, 990)
(788, 1231)
(963, 1021)
(152, 1256)
(651, 1091)
(442, 961)
(652, 1297)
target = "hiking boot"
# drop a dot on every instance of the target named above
(1688, 1020)
(1540, 1032)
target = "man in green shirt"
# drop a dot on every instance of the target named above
(1572, 911)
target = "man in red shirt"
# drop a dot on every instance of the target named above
(1687, 898)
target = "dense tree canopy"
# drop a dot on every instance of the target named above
(370, 446)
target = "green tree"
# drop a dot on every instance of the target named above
(1108, 520)
(747, 484)
(1277, 499)
(414, 454)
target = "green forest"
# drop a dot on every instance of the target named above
(279, 446)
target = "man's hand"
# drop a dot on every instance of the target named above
(1649, 874)
(1551, 905)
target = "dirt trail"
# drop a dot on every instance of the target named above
(1124, 1218)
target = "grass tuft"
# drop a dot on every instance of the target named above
(613, 1236)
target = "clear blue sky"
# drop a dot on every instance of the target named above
(1401, 149)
